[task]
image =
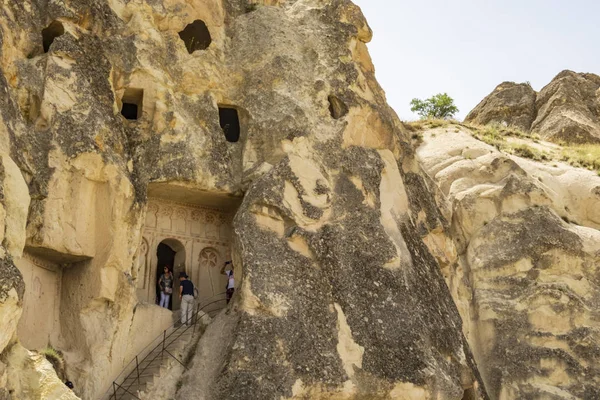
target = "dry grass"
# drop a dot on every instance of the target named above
(423, 124)
(583, 156)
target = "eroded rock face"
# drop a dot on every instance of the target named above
(339, 297)
(567, 109)
(510, 103)
(524, 280)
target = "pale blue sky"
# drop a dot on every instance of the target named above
(467, 47)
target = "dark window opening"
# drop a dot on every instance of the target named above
(337, 107)
(54, 30)
(196, 36)
(132, 104)
(230, 122)
(166, 257)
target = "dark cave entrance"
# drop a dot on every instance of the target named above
(133, 100)
(196, 36)
(230, 123)
(166, 257)
(54, 30)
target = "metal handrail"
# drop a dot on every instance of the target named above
(176, 327)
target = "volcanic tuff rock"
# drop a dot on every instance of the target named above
(339, 297)
(341, 241)
(567, 109)
(523, 266)
(510, 103)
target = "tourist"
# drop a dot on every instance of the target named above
(166, 287)
(230, 287)
(186, 295)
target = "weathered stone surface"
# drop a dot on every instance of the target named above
(567, 109)
(339, 297)
(510, 104)
(32, 377)
(524, 280)
(340, 235)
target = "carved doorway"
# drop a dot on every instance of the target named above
(170, 252)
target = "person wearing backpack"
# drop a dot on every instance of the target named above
(166, 287)
(186, 295)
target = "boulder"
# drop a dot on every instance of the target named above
(510, 104)
(568, 108)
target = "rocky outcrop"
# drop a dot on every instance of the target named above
(270, 110)
(524, 274)
(109, 103)
(510, 104)
(567, 109)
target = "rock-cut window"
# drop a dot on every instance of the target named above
(196, 36)
(230, 123)
(54, 30)
(132, 100)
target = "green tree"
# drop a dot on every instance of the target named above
(439, 106)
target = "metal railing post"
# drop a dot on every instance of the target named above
(137, 368)
(196, 319)
(115, 389)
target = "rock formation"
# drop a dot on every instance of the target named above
(111, 104)
(256, 131)
(510, 103)
(524, 269)
(567, 109)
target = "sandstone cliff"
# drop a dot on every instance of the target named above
(567, 109)
(522, 265)
(108, 104)
(256, 131)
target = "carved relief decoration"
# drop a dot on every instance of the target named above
(209, 258)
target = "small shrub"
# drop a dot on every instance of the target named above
(522, 150)
(57, 360)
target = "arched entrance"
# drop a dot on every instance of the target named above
(170, 252)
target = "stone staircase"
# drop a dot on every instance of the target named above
(145, 373)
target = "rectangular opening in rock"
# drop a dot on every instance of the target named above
(132, 100)
(230, 123)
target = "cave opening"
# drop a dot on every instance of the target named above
(196, 36)
(132, 104)
(230, 123)
(54, 30)
(337, 108)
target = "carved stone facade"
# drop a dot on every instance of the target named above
(200, 236)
